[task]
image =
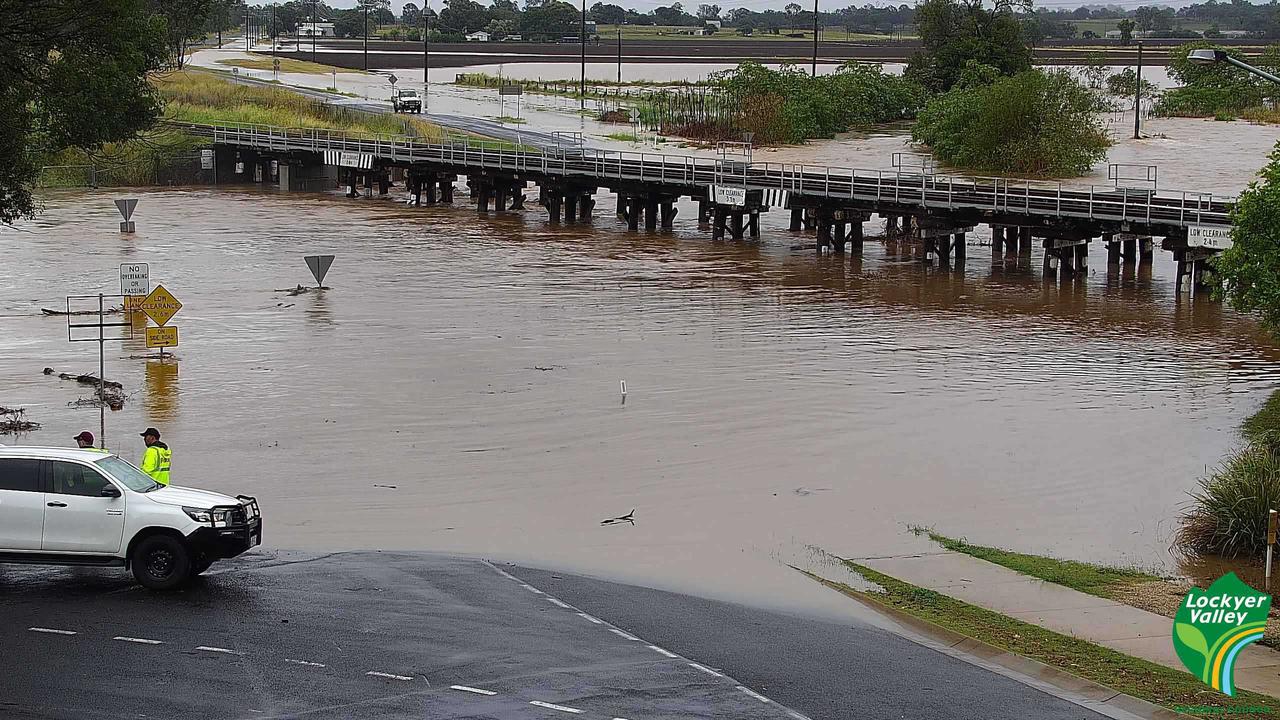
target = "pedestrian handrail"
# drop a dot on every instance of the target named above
(903, 186)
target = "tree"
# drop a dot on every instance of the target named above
(1125, 27)
(954, 32)
(673, 15)
(1151, 18)
(793, 12)
(184, 21)
(411, 15)
(553, 19)
(708, 12)
(75, 76)
(1249, 272)
(1033, 123)
(348, 23)
(607, 14)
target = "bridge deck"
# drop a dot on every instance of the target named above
(1157, 212)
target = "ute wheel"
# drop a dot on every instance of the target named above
(161, 562)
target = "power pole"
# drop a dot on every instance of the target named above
(246, 28)
(366, 38)
(582, 89)
(619, 53)
(426, 58)
(315, 4)
(815, 38)
(1137, 97)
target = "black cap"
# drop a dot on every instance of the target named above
(150, 431)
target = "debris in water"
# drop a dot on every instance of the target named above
(85, 379)
(112, 392)
(628, 518)
(107, 311)
(14, 421)
(393, 487)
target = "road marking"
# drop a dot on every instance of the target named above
(389, 676)
(503, 573)
(557, 602)
(477, 691)
(52, 631)
(561, 708)
(668, 653)
(595, 620)
(621, 634)
(532, 589)
(142, 641)
(226, 651)
(797, 715)
(754, 694)
(304, 662)
(705, 669)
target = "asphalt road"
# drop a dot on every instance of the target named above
(381, 635)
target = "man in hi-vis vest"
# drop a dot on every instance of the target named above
(155, 461)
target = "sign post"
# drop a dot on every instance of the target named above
(319, 266)
(101, 338)
(1271, 541)
(126, 211)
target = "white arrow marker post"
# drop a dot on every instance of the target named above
(126, 211)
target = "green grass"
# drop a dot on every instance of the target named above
(511, 120)
(1087, 578)
(623, 137)
(1264, 423)
(202, 97)
(287, 65)
(1139, 678)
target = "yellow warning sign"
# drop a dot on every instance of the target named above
(162, 337)
(133, 302)
(160, 306)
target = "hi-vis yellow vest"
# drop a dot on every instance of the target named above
(155, 462)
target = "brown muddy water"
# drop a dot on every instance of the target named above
(775, 400)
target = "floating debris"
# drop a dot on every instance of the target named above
(112, 392)
(108, 311)
(14, 421)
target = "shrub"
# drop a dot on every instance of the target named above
(1034, 123)
(1228, 516)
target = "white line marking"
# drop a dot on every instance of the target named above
(206, 648)
(503, 573)
(532, 589)
(477, 691)
(389, 676)
(142, 641)
(621, 634)
(797, 715)
(52, 631)
(668, 653)
(754, 694)
(595, 620)
(561, 708)
(705, 669)
(557, 602)
(304, 662)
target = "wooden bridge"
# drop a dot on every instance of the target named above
(731, 192)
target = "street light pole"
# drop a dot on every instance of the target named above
(366, 38)
(815, 38)
(315, 4)
(246, 28)
(582, 89)
(1137, 97)
(619, 53)
(426, 58)
(1209, 56)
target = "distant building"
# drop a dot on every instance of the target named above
(478, 36)
(320, 29)
(713, 23)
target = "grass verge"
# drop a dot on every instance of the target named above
(288, 65)
(1145, 680)
(1099, 580)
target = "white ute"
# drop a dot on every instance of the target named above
(61, 506)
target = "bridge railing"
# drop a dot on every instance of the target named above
(901, 186)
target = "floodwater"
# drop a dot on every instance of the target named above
(774, 400)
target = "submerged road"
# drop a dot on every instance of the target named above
(381, 635)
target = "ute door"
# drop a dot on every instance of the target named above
(21, 503)
(77, 516)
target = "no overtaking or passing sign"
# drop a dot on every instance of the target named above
(135, 279)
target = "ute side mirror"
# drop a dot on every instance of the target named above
(109, 491)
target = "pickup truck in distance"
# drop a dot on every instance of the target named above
(406, 101)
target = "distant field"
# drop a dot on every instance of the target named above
(1102, 27)
(288, 65)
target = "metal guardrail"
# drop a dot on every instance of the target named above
(901, 187)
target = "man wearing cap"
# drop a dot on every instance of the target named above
(155, 461)
(84, 441)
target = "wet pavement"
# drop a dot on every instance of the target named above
(382, 635)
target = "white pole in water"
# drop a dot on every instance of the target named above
(1271, 541)
(624, 391)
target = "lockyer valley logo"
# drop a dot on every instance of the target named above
(1212, 627)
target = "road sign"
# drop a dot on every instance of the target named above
(511, 90)
(391, 78)
(206, 159)
(721, 195)
(162, 337)
(126, 207)
(161, 306)
(635, 116)
(135, 279)
(319, 265)
(1205, 236)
